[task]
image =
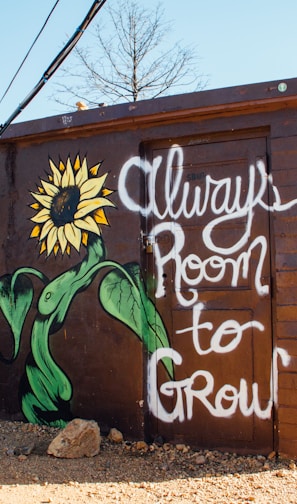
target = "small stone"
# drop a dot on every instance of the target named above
(80, 438)
(22, 458)
(141, 446)
(24, 450)
(271, 455)
(280, 474)
(115, 435)
(200, 460)
(292, 465)
(180, 447)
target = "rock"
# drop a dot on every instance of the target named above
(24, 450)
(141, 446)
(22, 458)
(182, 447)
(115, 435)
(21, 450)
(200, 460)
(80, 438)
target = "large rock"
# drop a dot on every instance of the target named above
(80, 438)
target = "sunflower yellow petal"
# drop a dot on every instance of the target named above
(48, 225)
(88, 206)
(57, 177)
(35, 231)
(42, 247)
(82, 174)
(46, 201)
(106, 192)
(73, 235)
(50, 189)
(51, 240)
(61, 166)
(87, 224)
(41, 216)
(68, 176)
(94, 170)
(100, 217)
(35, 206)
(92, 187)
(77, 163)
(84, 238)
(62, 239)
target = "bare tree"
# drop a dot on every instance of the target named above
(127, 63)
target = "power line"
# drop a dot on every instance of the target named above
(56, 62)
(34, 42)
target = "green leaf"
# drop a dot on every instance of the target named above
(122, 294)
(15, 302)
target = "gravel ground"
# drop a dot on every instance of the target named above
(134, 472)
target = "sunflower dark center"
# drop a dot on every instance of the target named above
(64, 205)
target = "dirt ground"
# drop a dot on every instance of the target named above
(136, 473)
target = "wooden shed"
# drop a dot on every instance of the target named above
(148, 272)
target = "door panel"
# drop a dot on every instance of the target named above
(208, 268)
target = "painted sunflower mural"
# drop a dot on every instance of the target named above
(70, 205)
(70, 210)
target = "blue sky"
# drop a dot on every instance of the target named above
(237, 42)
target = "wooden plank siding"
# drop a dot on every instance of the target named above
(284, 170)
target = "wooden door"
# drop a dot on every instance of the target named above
(208, 267)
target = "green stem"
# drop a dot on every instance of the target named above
(47, 390)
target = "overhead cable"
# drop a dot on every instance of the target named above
(34, 42)
(56, 62)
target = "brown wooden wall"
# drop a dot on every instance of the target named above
(103, 346)
(283, 154)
